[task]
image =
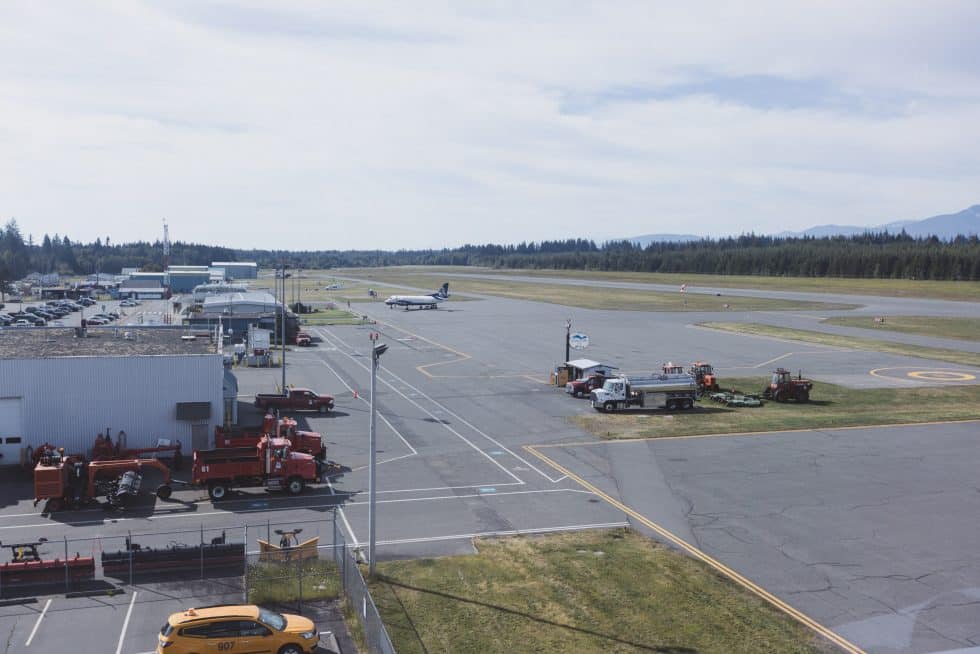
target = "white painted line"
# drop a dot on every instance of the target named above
(432, 415)
(479, 431)
(125, 626)
(343, 516)
(38, 623)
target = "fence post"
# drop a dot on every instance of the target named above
(202, 550)
(129, 547)
(245, 564)
(67, 574)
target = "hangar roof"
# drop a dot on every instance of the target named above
(54, 342)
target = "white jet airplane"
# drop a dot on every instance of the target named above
(419, 301)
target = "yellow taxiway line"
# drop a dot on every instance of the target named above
(806, 620)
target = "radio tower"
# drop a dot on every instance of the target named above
(166, 245)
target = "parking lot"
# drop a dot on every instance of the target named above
(463, 390)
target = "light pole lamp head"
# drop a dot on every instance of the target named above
(380, 349)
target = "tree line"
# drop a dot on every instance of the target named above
(870, 255)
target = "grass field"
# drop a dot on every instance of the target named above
(286, 582)
(595, 591)
(963, 291)
(967, 329)
(333, 317)
(850, 342)
(830, 406)
(585, 296)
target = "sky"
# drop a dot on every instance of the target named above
(364, 125)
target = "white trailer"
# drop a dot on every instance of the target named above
(667, 391)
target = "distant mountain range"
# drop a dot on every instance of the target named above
(946, 226)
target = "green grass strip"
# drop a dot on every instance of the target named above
(966, 329)
(831, 406)
(849, 342)
(587, 592)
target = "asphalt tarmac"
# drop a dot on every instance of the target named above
(854, 528)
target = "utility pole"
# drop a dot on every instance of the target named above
(568, 339)
(283, 337)
(376, 351)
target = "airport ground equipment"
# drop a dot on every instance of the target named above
(103, 449)
(783, 387)
(308, 442)
(664, 391)
(303, 339)
(736, 399)
(27, 568)
(297, 399)
(69, 481)
(271, 463)
(176, 558)
(705, 376)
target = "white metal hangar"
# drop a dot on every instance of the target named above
(66, 385)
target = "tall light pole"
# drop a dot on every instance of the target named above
(283, 331)
(376, 351)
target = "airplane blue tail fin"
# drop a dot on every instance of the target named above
(442, 292)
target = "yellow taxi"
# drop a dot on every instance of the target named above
(236, 629)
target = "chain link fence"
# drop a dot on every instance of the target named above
(357, 593)
(285, 563)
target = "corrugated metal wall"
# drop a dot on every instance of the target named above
(67, 401)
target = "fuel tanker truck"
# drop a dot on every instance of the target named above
(669, 391)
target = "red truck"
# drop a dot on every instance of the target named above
(271, 463)
(303, 339)
(307, 442)
(582, 387)
(298, 399)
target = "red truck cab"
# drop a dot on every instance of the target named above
(307, 442)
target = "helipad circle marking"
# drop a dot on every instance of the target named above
(940, 375)
(934, 375)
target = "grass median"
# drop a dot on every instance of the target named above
(590, 297)
(594, 591)
(966, 329)
(830, 406)
(270, 582)
(849, 342)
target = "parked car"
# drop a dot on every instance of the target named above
(22, 323)
(95, 320)
(237, 629)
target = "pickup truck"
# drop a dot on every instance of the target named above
(297, 399)
(303, 339)
(582, 387)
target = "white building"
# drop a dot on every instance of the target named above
(151, 383)
(247, 302)
(238, 269)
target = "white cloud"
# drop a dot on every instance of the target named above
(317, 125)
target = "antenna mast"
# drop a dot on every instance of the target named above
(166, 244)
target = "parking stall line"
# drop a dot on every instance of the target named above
(38, 623)
(129, 613)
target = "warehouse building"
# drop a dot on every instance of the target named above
(142, 289)
(235, 312)
(238, 269)
(184, 281)
(64, 386)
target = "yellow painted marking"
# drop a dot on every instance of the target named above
(934, 374)
(939, 375)
(761, 592)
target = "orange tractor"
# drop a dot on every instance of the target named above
(705, 376)
(783, 387)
